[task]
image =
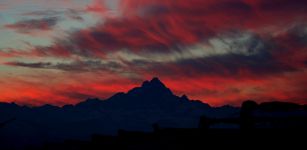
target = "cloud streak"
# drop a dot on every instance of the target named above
(73, 14)
(27, 26)
(75, 66)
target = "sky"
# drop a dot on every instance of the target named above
(220, 52)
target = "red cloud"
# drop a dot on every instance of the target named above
(97, 6)
(156, 25)
(165, 26)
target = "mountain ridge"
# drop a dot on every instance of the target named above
(136, 110)
(152, 103)
(154, 87)
(153, 92)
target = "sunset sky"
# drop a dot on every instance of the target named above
(218, 51)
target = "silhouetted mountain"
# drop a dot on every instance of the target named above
(151, 95)
(136, 110)
(90, 104)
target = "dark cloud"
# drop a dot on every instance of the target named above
(74, 14)
(230, 65)
(75, 66)
(43, 13)
(47, 20)
(90, 65)
(69, 13)
(252, 57)
(235, 65)
(290, 46)
(298, 34)
(30, 65)
(283, 5)
(27, 26)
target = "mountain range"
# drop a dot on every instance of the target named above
(136, 110)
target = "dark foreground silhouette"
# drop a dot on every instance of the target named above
(257, 130)
(151, 117)
(259, 126)
(189, 139)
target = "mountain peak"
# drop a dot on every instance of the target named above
(154, 82)
(152, 87)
